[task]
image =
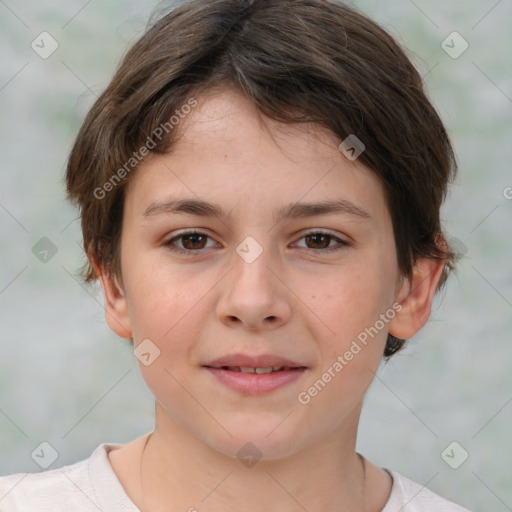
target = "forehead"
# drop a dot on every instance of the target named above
(229, 153)
(227, 116)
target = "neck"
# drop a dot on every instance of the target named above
(181, 472)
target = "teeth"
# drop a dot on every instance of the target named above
(263, 370)
(259, 371)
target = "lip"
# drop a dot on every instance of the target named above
(253, 383)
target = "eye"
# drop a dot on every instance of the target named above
(192, 241)
(323, 239)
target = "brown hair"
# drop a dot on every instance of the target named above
(298, 61)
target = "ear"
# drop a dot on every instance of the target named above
(116, 307)
(416, 296)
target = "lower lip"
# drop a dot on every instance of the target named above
(254, 383)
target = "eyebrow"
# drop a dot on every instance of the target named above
(203, 208)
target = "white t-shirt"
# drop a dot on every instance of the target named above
(91, 486)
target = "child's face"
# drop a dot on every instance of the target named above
(291, 301)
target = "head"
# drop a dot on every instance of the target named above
(246, 104)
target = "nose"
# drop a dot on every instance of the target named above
(255, 294)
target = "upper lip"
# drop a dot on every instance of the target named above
(247, 361)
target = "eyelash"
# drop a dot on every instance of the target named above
(170, 245)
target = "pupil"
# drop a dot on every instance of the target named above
(193, 237)
(318, 236)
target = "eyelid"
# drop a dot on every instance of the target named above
(322, 231)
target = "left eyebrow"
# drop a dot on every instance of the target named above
(203, 208)
(297, 210)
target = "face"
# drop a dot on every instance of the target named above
(299, 290)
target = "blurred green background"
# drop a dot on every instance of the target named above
(65, 378)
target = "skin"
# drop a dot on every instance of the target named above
(291, 301)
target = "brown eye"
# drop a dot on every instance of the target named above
(321, 241)
(194, 241)
(190, 241)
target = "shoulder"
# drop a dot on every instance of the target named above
(77, 487)
(25, 491)
(409, 496)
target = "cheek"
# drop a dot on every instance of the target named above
(351, 299)
(168, 306)
(159, 309)
(169, 314)
(154, 291)
(350, 337)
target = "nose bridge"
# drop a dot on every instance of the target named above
(253, 262)
(253, 293)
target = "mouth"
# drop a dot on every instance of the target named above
(255, 375)
(263, 363)
(258, 370)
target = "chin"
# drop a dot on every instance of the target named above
(255, 444)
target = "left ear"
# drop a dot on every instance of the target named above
(416, 296)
